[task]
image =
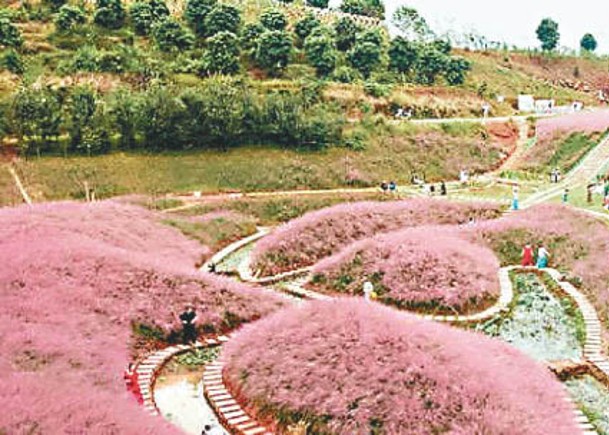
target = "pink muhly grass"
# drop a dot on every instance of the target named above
(425, 267)
(581, 122)
(304, 241)
(348, 366)
(578, 245)
(74, 278)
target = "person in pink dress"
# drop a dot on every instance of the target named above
(527, 256)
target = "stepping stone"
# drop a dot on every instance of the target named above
(229, 402)
(234, 414)
(234, 421)
(220, 397)
(247, 425)
(231, 408)
(255, 431)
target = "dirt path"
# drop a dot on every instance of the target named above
(19, 184)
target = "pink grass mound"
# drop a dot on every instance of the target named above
(578, 245)
(582, 122)
(74, 281)
(304, 241)
(352, 367)
(426, 269)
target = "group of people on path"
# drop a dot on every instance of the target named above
(391, 187)
(600, 188)
(529, 259)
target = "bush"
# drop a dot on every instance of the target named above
(223, 18)
(370, 8)
(318, 3)
(403, 55)
(169, 35)
(377, 90)
(345, 74)
(430, 64)
(222, 55)
(346, 31)
(195, 13)
(109, 14)
(321, 52)
(273, 51)
(305, 26)
(69, 17)
(365, 57)
(10, 36)
(55, 5)
(273, 19)
(250, 34)
(141, 17)
(82, 105)
(456, 70)
(11, 61)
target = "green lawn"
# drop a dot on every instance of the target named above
(392, 153)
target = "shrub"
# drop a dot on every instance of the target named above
(318, 3)
(222, 55)
(371, 8)
(169, 35)
(69, 17)
(348, 366)
(273, 51)
(456, 70)
(55, 5)
(306, 25)
(377, 90)
(365, 57)
(10, 36)
(403, 55)
(273, 19)
(321, 52)
(346, 31)
(250, 34)
(222, 18)
(195, 13)
(316, 235)
(141, 17)
(11, 60)
(109, 14)
(345, 74)
(430, 64)
(82, 105)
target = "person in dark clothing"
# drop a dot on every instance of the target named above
(392, 186)
(188, 319)
(384, 186)
(443, 188)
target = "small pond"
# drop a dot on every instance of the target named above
(179, 393)
(540, 324)
(592, 398)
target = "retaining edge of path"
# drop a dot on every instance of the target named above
(148, 369)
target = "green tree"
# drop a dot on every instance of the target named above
(223, 108)
(109, 14)
(321, 51)
(159, 10)
(11, 60)
(223, 18)
(36, 117)
(318, 3)
(370, 8)
(273, 19)
(162, 118)
(82, 104)
(588, 42)
(346, 31)
(195, 13)
(403, 55)
(430, 64)
(55, 4)
(222, 55)
(68, 17)
(411, 25)
(169, 35)
(250, 34)
(10, 36)
(365, 57)
(273, 51)
(124, 111)
(548, 34)
(456, 70)
(305, 26)
(141, 17)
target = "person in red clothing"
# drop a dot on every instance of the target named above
(131, 380)
(527, 256)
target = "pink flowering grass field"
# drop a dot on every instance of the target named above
(76, 283)
(430, 269)
(352, 367)
(582, 122)
(578, 245)
(304, 241)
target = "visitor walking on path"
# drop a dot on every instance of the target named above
(392, 186)
(443, 188)
(589, 192)
(527, 256)
(368, 291)
(384, 186)
(515, 191)
(565, 196)
(542, 257)
(188, 319)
